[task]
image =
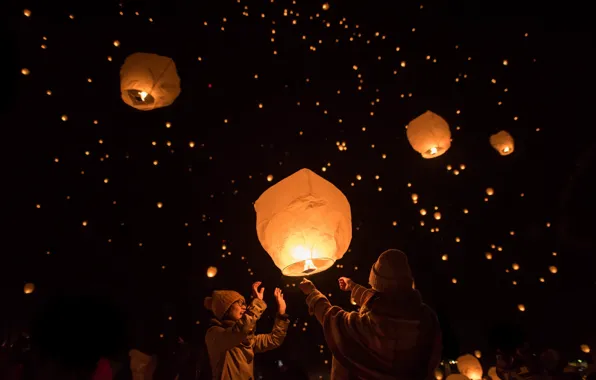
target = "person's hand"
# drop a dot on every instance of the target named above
(307, 286)
(255, 290)
(281, 303)
(345, 284)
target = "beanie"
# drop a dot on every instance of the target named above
(221, 300)
(391, 273)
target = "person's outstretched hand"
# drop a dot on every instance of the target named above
(345, 284)
(255, 290)
(281, 303)
(307, 286)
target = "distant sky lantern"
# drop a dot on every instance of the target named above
(415, 197)
(422, 211)
(478, 354)
(553, 269)
(211, 272)
(429, 135)
(269, 178)
(515, 266)
(438, 374)
(29, 288)
(437, 215)
(149, 81)
(521, 307)
(470, 367)
(304, 222)
(326, 7)
(585, 348)
(503, 143)
(489, 256)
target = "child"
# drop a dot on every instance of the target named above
(394, 336)
(231, 340)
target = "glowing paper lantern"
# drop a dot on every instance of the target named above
(585, 348)
(438, 374)
(304, 222)
(429, 135)
(478, 354)
(503, 143)
(456, 376)
(553, 269)
(521, 307)
(211, 272)
(490, 191)
(149, 81)
(492, 373)
(29, 288)
(470, 367)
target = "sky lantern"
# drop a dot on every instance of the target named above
(149, 81)
(553, 269)
(211, 272)
(29, 288)
(456, 376)
(438, 374)
(490, 191)
(503, 143)
(429, 135)
(304, 222)
(492, 373)
(585, 348)
(437, 215)
(521, 307)
(470, 367)
(478, 354)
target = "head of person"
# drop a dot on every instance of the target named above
(391, 273)
(226, 305)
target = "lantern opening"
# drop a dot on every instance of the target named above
(506, 149)
(433, 150)
(308, 267)
(140, 97)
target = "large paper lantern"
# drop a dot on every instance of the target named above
(456, 376)
(149, 81)
(503, 143)
(304, 223)
(470, 367)
(429, 135)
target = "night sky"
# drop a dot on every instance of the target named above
(268, 88)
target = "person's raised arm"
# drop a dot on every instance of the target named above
(266, 342)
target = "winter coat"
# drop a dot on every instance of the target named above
(232, 345)
(392, 337)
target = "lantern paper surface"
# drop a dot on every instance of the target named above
(470, 367)
(457, 376)
(304, 222)
(149, 81)
(429, 135)
(503, 143)
(492, 373)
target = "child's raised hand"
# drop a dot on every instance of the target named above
(255, 290)
(281, 303)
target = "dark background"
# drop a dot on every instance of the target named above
(208, 190)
